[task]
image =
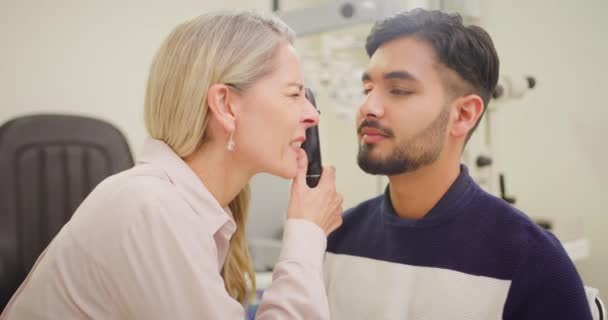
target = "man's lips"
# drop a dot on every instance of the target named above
(372, 132)
(371, 135)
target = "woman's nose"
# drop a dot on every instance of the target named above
(311, 115)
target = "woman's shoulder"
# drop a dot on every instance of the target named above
(120, 199)
(137, 199)
(137, 185)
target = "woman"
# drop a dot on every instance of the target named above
(166, 239)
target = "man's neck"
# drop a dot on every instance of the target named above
(414, 194)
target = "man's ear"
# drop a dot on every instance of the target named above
(469, 109)
(218, 99)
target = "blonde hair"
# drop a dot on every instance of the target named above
(235, 48)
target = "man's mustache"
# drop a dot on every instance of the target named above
(374, 124)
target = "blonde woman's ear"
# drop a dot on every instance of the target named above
(217, 99)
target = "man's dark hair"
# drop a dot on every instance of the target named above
(467, 50)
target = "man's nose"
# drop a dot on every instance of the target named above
(372, 106)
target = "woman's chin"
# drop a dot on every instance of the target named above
(286, 172)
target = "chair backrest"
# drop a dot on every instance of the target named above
(48, 165)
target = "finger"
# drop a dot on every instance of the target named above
(300, 179)
(329, 175)
(336, 201)
(339, 199)
(337, 219)
(335, 208)
(338, 216)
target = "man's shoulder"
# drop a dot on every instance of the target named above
(508, 221)
(510, 229)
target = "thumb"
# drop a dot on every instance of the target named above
(300, 179)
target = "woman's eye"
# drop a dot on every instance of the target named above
(366, 91)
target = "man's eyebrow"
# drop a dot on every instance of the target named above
(400, 75)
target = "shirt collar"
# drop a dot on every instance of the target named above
(190, 186)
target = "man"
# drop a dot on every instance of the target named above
(435, 245)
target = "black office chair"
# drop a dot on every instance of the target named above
(48, 165)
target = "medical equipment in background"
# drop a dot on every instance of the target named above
(332, 15)
(513, 87)
(488, 173)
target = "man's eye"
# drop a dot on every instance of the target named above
(400, 92)
(366, 91)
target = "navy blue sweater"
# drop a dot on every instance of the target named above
(473, 256)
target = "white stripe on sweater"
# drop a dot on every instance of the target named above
(363, 288)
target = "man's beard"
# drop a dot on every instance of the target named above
(421, 150)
